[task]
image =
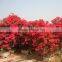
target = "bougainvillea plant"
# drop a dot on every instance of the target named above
(19, 34)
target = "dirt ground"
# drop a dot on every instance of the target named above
(7, 57)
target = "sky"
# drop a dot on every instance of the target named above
(31, 9)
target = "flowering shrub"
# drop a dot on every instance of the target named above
(44, 41)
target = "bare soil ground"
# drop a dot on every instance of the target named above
(7, 57)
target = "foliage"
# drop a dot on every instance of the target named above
(43, 42)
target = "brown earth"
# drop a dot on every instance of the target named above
(7, 57)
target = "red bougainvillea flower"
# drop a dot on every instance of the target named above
(43, 42)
